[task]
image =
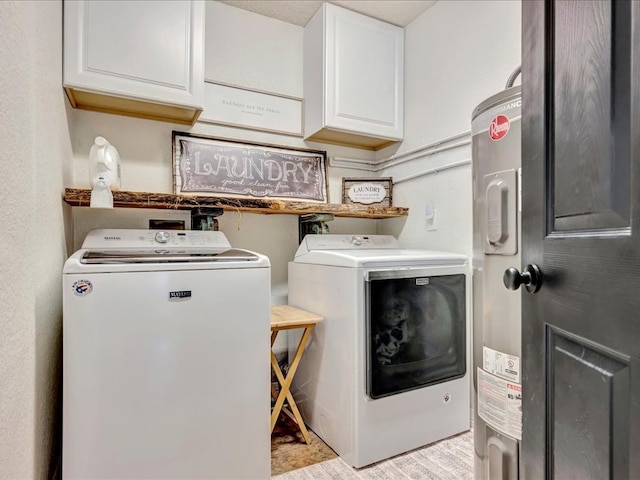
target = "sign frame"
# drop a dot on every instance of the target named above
(210, 166)
(362, 197)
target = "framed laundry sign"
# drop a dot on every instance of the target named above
(219, 167)
(367, 191)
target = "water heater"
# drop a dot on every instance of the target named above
(496, 134)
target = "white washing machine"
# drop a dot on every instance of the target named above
(387, 370)
(165, 358)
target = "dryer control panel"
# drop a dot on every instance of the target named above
(348, 242)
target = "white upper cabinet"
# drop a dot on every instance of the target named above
(136, 58)
(353, 79)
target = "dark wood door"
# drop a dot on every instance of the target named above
(581, 226)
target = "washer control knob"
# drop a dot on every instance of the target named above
(356, 240)
(163, 237)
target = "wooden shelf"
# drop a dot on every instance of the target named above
(78, 197)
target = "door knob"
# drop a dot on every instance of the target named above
(531, 278)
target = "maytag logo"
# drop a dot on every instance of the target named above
(180, 294)
(422, 281)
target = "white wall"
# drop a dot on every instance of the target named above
(253, 51)
(456, 54)
(35, 140)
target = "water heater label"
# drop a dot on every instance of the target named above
(501, 364)
(500, 404)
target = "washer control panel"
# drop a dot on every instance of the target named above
(133, 238)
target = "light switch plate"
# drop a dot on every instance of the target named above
(432, 217)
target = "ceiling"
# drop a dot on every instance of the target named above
(299, 12)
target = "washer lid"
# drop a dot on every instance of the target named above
(168, 255)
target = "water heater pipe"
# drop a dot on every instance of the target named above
(513, 76)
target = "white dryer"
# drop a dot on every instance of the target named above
(165, 348)
(387, 370)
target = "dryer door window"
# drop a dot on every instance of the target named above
(416, 333)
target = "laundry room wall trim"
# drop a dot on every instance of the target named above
(393, 160)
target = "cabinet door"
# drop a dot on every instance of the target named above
(364, 74)
(150, 51)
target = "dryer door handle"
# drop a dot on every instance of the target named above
(397, 273)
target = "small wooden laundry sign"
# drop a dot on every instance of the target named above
(367, 191)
